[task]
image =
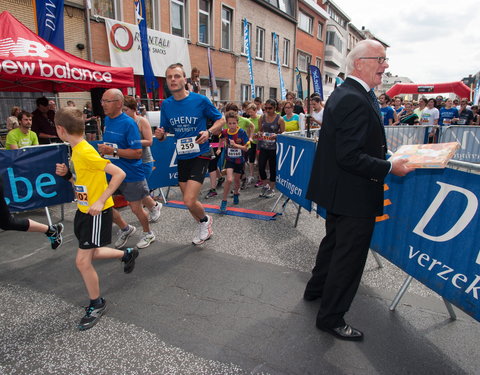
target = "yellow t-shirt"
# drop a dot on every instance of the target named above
(89, 175)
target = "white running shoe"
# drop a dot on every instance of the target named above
(203, 232)
(124, 235)
(145, 240)
(155, 213)
(270, 193)
(250, 180)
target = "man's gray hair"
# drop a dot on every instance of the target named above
(360, 49)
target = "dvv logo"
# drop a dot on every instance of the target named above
(295, 157)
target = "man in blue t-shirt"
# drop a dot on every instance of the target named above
(122, 145)
(185, 115)
(386, 110)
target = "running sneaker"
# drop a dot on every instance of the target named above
(220, 181)
(92, 315)
(56, 238)
(263, 191)
(259, 183)
(235, 199)
(155, 213)
(204, 231)
(124, 236)
(243, 186)
(145, 240)
(223, 207)
(270, 193)
(211, 193)
(250, 180)
(129, 259)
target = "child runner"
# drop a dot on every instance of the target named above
(235, 141)
(252, 151)
(93, 220)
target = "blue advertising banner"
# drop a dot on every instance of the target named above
(298, 79)
(165, 167)
(469, 138)
(29, 177)
(430, 230)
(316, 79)
(151, 82)
(246, 44)
(294, 164)
(283, 90)
(49, 15)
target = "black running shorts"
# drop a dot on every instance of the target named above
(93, 231)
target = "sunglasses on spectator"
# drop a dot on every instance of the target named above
(267, 108)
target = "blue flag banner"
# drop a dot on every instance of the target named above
(211, 74)
(316, 79)
(151, 82)
(298, 79)
(246, 43)
(476, 94)
(283, 90)
(49, 16)
(294, 164)
(29, 177)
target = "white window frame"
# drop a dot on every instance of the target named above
(286, 52)
(318, 63)
(230, 28)
(270, 93)
(260, 43)
(184, 5)
(207, 13)
(117, 9)
(245, 93)
(320, 27)
(259, 91)
(308, 60)
(302, 17)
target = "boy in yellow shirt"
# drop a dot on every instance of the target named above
(93, 219)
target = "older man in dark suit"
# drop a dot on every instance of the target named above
(347, 179)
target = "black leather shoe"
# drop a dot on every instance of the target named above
(310, 296)
(346, 332)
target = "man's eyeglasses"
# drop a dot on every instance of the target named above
(380, 59)
(108, 100)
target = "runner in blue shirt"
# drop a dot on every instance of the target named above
(185, 115)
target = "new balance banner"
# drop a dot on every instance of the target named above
(430, 230)
(151, 82)
(294, 165)
(49, 15)
(126, 50)
(29, 177)
(316, 79)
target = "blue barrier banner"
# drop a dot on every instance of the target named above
(165, 167)
(294, 163)
(29, 177)
(49, 15)
(469, 138)
(430, 230)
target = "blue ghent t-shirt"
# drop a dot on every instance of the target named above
(186, 118)
(387, 113)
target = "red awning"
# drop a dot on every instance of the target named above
(459, 88)
(29, 63)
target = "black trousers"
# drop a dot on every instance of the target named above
(339, 266)
(7, 220)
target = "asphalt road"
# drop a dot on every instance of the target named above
(231, 306)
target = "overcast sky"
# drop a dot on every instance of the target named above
(430, 42)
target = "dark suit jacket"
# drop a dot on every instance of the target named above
(350, 167)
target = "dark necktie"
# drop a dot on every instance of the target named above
(375, 102)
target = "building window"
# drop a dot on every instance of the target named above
(152, 12)
(320, 31)
(273, 57)
(272, 93)
(285, 6)
(305, 22)
(303, 61)
(178, 17)
(318, 63)
(204, 10)
(260, 44)
(286, 52)
(249, 25)
(334, 40)
(246, 93)
(107, 8)
(259, 92)
(227, 28)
